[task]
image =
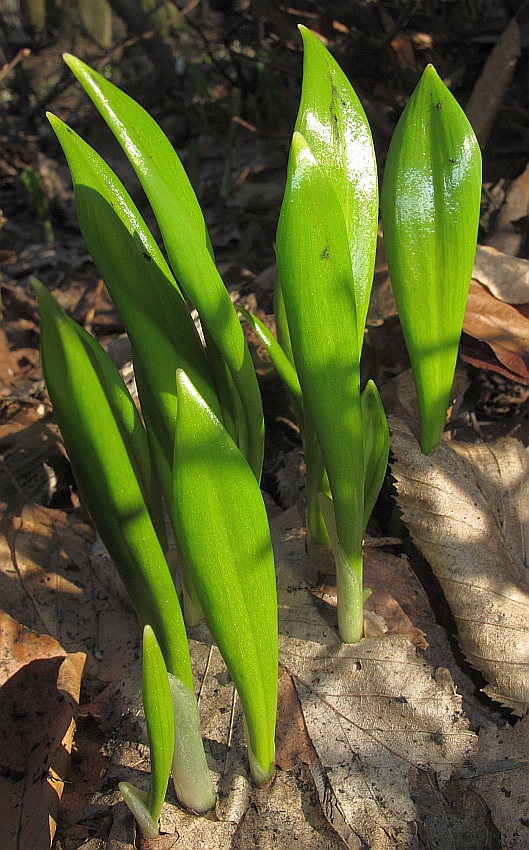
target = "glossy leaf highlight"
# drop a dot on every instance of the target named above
(333, 122)
(316, 283)
(430, 211)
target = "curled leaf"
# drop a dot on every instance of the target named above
(191, 776)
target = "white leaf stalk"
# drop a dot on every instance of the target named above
(191, 776)
(135, 800)
(351, 596)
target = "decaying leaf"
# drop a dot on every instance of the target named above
(506, 277)
(369, 720)
(373, 711)
(502, 327)
(362, 721)
(467, 509)
(50, 585)
(282, 816)
(501, 779)
(512, 203)
(39, 692)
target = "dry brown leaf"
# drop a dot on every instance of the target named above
(282, 816)
(33, 465)
(508, 234)
(7, 365)
(361, 719)
(500, 777)
(505, 276)
(482, 357)
(467, 509)
(49, 585)
(453, 815)
(501, 326)
(373, 711)
(39, 692)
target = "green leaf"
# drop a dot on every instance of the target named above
(109, 453)
(154, 313)
(283, 333)
(222, 527)
(334, 125)
(173, 727)
(159, 719)
(136, 799)
(185, 237)
(430, 211)
(316, 282)
(285, 369)
(376, 446)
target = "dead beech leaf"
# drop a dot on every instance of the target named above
(501, 779)
(505, 276)
(281, 816)
(372, 710)
(360, 718)
(482, 357)
(507, 235)
(49, 584)
(467, 509)
(39, 692)
(501, 326)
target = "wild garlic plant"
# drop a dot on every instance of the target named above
(326, 242)
(431, 195)
(196, 451)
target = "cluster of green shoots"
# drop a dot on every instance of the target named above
(195, 453)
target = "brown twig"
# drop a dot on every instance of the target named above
(8, 67)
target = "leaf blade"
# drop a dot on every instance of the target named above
(158, 707)
(154, 313)
(185, 236)
(314, 269)
(333, 122)
(108, 450)
(222, 527)
(430, 211)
